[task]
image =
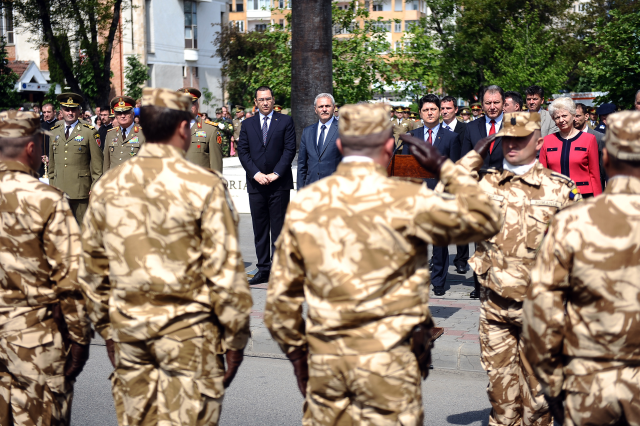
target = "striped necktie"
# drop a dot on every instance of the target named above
(265, 129)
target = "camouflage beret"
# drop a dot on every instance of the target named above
(364, 119)
(17, 124)
(519, 124)
(166, 98)
(622, 136)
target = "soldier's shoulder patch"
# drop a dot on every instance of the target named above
(88, 126)
(112, 129)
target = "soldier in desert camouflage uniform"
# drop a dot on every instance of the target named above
(164, 277)
(582, 311)
(44, 331)
(528, 195)
(356, 244)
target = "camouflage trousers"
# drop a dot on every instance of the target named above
(514, 392)
(33, 389)
(381, 388)
(607, 397)
(169, 381)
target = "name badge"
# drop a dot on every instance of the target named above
(547, 203)
(496, 197)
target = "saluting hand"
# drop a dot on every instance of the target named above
(482, 147)
(426, 155)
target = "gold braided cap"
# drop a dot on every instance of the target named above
(622, 136)
(70, 100)
(519, 124)
(191, 91)
(166, 98)
(364, 119)
(17, 124)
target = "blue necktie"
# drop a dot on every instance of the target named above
(321, 138)
(265, 129)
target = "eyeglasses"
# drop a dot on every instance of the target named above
(264, 99)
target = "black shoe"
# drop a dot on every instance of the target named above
(439, 291)
(260, 278)
(462, 269)
(475, 294)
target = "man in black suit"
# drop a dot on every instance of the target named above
(493, 106)
(448, 144)
(449, 109)
(266, 147)
(319, 156)
(105, 117)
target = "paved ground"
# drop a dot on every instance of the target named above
(458, 348)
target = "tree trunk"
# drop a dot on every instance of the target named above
(311, 68)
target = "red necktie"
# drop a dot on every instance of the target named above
(429, 141)
(492, 131)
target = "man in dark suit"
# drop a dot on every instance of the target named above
(266, 147)
(449, 109)
(448, 144)
(318, 156)
(105, 117)
(493, 106)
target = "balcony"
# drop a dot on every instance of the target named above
(190, 55)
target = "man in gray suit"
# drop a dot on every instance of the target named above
(318, 156)
(535, 97)
(581, 122)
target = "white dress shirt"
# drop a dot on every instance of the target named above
(326, 130)
(71, 126)
(434, 133)
(451, 126)
(127, 130)
(497, 120)
(268, 121)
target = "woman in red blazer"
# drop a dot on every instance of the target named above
(570, 151)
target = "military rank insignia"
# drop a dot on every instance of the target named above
(219, 140)
(201, 134)
(134, 140)
(78, 138)
(98, 141)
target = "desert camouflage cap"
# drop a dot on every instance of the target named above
(519, 124)
(17, 124)
(623, 135)
(364, 119)
(166, 98)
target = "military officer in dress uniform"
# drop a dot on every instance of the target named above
(476, 110)
(277, 108)
(75, 157)
(226, 131)
(465, 115)
(400, 124)
(206, 140)
(126, 137)
(237, 123)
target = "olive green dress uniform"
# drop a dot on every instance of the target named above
(206, 145)
(75, 163)
(117, 150)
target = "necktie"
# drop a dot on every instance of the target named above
(124, 134)
(66, 133)
(492, 131)
(321, 138)
(447, 127)
(265, 129)
(429, 141)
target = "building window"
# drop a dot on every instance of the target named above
(281, 4)
(412, 5)
(6, 23)
(409, 24)
(397, 27)
(195, 72)
(239, 5)
(398, 45)
(261, 28)
(184, 72)
(190, 25)
(377, 8)
(398, 6)
(384, 25)
(258, 4)
(366, 5)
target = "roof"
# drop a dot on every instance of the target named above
(19, 67)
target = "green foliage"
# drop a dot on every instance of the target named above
(614, 66)
(55, 72)
(51, 98)
(9, 98)
(136, 74)
(531, 55)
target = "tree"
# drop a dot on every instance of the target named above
(532, 55)
(137, 74)
(615, 66)
(63, 24)
(311, 48)
(9, 98)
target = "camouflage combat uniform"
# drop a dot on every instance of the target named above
(164, 279)
(354, 246)
(503, 263)
(582, 312)
(206, 143)
(39, 246)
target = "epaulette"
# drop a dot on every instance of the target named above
(209, 122)
(88, 126)
(112, 129)
(56, 126)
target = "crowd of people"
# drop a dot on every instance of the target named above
(136, 236)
